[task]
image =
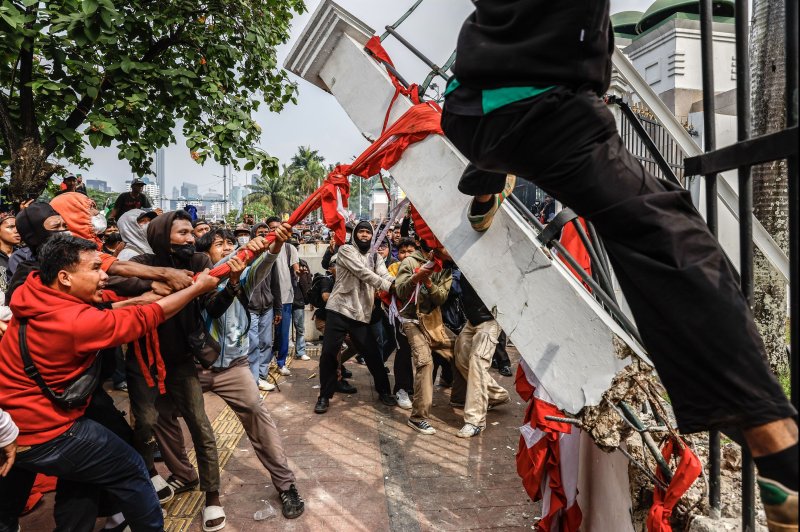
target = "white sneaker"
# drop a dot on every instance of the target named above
(265, 385)
(304, 357)
(468, 431)
(403, 401)
(284, 371)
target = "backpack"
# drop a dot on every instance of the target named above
(315, 292)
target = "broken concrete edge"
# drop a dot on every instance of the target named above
(316, 42)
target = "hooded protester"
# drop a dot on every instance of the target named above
(35, 224)
(134, 234)
(171, 239)
(230, 377)
(85, 221)
(359, 274)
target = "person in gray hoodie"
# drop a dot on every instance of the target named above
(265, 313)
(133, 229)
(359, 274)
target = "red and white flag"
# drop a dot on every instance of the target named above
(548, 457)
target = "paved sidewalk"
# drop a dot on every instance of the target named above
(361, 468)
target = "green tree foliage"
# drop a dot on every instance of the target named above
(103, 73)
(278, 193)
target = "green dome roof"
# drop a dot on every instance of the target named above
(625, 21)
(662, 9)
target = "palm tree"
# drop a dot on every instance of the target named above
(278, 193)
(307, 169)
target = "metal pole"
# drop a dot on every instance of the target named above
(745, 224)
(433, 66)
(710, 140)
(401, 19)
(794, 198)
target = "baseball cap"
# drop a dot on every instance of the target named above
(241, 228)
(137, 181)
(199, 221)
(147, 214)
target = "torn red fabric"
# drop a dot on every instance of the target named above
(574, 245)
(688, 470)
(547, 459)
(375, 48)
(423, 231)
(416, 124)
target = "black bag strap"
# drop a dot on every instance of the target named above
(30, 368)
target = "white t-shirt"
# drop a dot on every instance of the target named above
(284, 274)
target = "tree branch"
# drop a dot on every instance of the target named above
(7, 126)
(78, 115)
(26, 108)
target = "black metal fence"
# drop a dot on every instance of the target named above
(669, 149)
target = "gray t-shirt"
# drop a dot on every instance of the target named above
(284, 275)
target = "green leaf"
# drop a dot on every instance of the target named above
(91, 92)
(89, 7)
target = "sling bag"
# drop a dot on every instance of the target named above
(77, 393)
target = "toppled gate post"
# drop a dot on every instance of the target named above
(563, 334)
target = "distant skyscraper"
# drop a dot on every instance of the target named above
(237, 195)
(175, 193)
(161, 174)
(253, 179)
(98, 184)
(189, 191)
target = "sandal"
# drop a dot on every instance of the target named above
(210, 513)
(481, 222)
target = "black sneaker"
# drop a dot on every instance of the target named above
(346, 373)
(179, 486)
(293, 504)
(388, 399)
(322, 405)
(505, 371)
(422, 426)
(345, 387)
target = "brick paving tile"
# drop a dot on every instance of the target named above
(361, 468)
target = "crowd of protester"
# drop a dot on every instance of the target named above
(126, 296)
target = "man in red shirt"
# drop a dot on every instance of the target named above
(65, 330)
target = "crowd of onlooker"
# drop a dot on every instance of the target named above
(128, 296)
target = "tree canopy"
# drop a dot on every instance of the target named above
(96, 72)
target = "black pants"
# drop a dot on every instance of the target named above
(500, 353)
(403, 370)
(337, 327)
(79, 504)
(688, 307)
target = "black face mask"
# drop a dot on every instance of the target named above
(363, 247)
(183, 252)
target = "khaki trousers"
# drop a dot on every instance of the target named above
(474, 349)
(422, 357)
(235, 385)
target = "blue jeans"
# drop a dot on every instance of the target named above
(282, 335)
(299, 321)
(98, 460)
(259, 353)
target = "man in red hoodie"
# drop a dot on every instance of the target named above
(65, 331)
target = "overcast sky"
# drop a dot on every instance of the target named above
(318, 120)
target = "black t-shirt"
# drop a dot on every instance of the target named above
(326, 287)
(126, 202)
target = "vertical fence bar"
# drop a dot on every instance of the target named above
(709, 141)
(794, 198)
(743, 103)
